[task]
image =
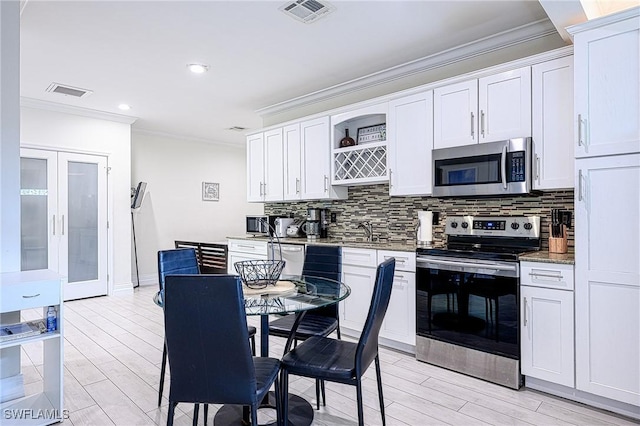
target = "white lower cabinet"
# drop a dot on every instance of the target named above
(400, 320)
(547, 328)
(359, 273)
(241, 250)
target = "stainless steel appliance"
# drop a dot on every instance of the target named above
(292, 254)
(467, 296)
(281, 225)
(485, 169)
(261, 225)
(312, 226)
(295, 229)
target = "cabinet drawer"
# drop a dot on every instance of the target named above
(548, 275)
(250, 247)
(26, 295)
(359, 257)
(405, 260)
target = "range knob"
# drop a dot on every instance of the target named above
(465, 225)
(528, 226)
(515, 225)
(454, 225)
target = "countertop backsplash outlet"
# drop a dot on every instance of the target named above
(394, 219)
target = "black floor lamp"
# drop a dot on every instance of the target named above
(137, 195)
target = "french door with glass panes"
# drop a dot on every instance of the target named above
(63, 200)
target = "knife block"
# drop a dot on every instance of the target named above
(559, 244)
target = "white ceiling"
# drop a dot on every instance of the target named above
(136, 53)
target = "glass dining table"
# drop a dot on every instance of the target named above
(292, 294)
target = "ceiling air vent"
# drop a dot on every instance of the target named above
(68, 90)
(238, 128)
(307, 11)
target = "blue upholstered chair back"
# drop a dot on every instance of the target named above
(176, 261)
(368, 343)
(207, 340)
(325, 262)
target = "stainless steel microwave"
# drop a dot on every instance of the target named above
(485, 169)
(262, 224)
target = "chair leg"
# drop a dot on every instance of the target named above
(359, 398)
(317, 394)
(284, 398)
(278, 402)
(206, 413)
(196, 409)
(253, 345)
(324, 396)
(254, 414)
(162, 371)
(380, 397)
(170, 414)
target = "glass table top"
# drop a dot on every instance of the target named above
(294, 293)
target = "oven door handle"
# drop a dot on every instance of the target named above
(426, 262)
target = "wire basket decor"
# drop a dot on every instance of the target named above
(259, 273)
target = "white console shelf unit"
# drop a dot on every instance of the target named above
(28, 290)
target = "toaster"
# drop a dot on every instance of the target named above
(295, 229)
(281, 226)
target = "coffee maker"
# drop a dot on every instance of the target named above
(312, 226)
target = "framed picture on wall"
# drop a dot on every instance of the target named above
(210, 191)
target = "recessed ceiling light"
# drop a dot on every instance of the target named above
(198, 68)
(124, 107)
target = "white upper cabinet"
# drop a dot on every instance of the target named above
(316, 161)
(607, 88)
(607, 289)
(552, 104)
(505, 105)
(265, 166)
(455, 112)
(366, 161)
(409, 144)
(255, 167)
(488, 109)
(292, 162)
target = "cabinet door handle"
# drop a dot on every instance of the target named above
(525, 311)
(54, 224)
(62, 224)
(297, 185)
(537, 168)
(482, 123)
(543, 275)
(472, 125)
(264, 191)
(580, 185)
(261, 189)
(579, 129)
(31, 296)
(326, 182)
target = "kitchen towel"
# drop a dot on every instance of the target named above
(425, 231)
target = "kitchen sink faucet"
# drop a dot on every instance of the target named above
(368, 229)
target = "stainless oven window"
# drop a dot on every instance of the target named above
(475, 307)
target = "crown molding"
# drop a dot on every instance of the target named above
(633, 12)
(69, 109)
(495, 42)
(136, 130)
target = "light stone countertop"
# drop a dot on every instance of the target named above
(545, 256)
(377, 245)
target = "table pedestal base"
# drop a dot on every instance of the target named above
(300, 412)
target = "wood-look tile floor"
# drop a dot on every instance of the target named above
(113, 352)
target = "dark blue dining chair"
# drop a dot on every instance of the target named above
(319, 261)
(181, 261)
(333, 360)
(207, 339)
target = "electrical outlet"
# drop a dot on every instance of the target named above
(333, 217)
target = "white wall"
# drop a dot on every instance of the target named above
(47, 129)
(172, 209)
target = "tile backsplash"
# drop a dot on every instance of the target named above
(395, 218)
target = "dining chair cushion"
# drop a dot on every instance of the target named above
(311, 325)
(266, 372)
(323, 358)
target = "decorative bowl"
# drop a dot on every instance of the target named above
(259, 273)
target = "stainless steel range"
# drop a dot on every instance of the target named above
(467, 302)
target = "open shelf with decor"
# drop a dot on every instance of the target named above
(359, 146)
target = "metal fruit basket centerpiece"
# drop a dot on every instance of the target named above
(262, 273)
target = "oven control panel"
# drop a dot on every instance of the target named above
(503, 226)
